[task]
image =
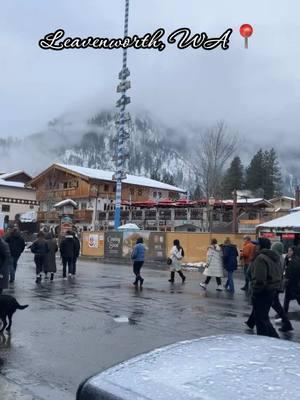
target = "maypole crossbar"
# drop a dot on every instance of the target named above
(122, 133)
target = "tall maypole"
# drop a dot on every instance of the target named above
(122, 133)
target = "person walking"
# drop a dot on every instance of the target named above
(50, 262)
(276, 305)
(16, 246)
(214, 265)
(40, 250)
(230, 255)
(5, 261)
(176, 255)
(138, 258)
(77, 252)
(248, 252)
(68, 254)
(292, 277)
(266, 276)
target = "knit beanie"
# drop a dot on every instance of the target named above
(278, 248)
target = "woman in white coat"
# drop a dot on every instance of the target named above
(176, 254)
(214, 265)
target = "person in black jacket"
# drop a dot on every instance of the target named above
(4, 264)
(16, 246)
(266, 277)
(230, 255)
(68, 251)
(40, 250)
(292, 276)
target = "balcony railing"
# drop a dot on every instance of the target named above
(79, 215)
(150, 214)
(196, 213)
(181, 214)
(137, 214)
(47, 216)
(83, 215)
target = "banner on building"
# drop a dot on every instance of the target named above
(93, 241)
(157, 246)
(288, 236)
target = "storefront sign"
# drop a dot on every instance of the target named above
(113, 244)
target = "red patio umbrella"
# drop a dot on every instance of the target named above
(185, 202)
(145, 203)
(166, 202)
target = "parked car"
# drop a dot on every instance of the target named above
(223, 367)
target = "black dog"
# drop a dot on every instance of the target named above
(8, 306)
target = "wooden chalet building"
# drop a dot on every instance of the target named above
(93, 191)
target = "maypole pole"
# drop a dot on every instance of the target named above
(122, 133)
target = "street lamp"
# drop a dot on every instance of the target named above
(234, 213)
(211, 202)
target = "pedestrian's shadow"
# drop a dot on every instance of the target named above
(5, 341)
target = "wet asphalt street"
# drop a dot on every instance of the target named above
(73, 329)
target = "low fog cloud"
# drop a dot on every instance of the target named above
(256, 91)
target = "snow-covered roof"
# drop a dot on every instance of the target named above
(288, 221)
(248, 201)
(12, 184)
(131, 179)
(65, 203)
(12, 174)
(282, 198)
(294, 209)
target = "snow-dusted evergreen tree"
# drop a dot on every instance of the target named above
(233, 178)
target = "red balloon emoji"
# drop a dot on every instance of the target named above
(246, 31)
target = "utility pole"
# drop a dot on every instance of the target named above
(122, 133)
(234, 213)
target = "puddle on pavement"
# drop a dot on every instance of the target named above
(121, 319)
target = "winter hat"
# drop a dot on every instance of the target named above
(278, 248)
(264, 243)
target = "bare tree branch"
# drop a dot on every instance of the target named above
(214, 149)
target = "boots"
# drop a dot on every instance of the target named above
(286, 327)
(172, 277)
(181, 276)
(136, 281)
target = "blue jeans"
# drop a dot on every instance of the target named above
(229, 284)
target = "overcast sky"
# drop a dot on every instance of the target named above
(256, 91)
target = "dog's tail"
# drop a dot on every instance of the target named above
(19, 307)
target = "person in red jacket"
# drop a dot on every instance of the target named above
(248, 253)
